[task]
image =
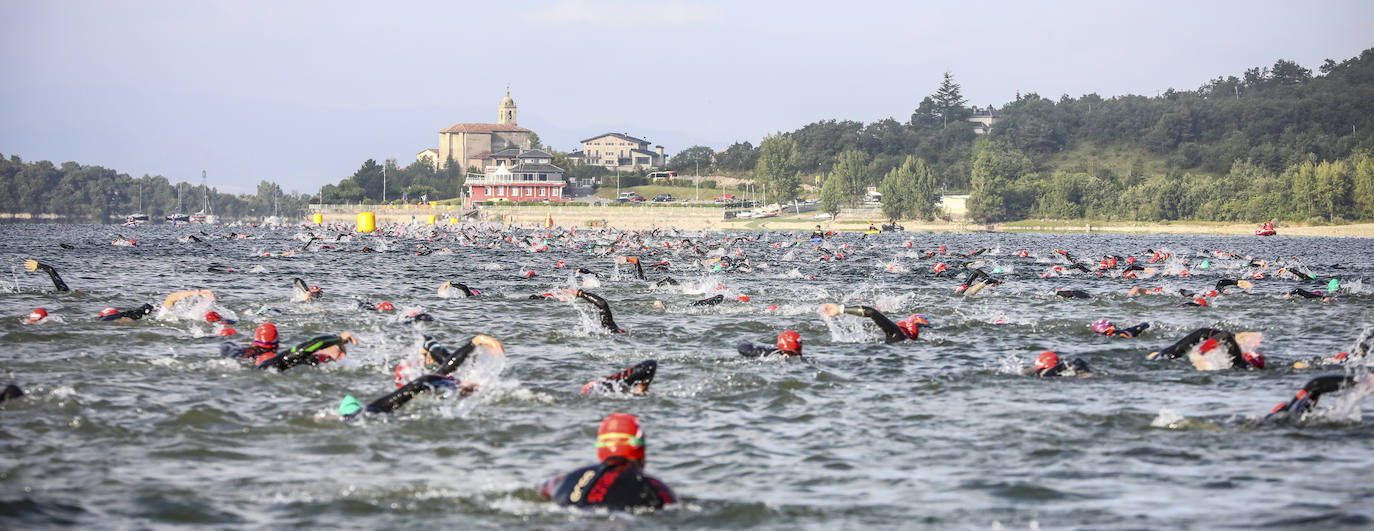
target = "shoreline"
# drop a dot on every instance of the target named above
(650, 217)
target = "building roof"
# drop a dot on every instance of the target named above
(536, 154)
(535, 168)
(508, 153)
(482, 155)
(644, 151)
(984, 114)
(430, 150)
(619, 135)
(484, 128)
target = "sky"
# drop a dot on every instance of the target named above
(302, 92)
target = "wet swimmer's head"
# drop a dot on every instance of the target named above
(620, 436)
(213, 317)
(1045, 361)
(790, 343)
(1103, 327)
(385, 306)
(265, 336)
(38, 314)
(108, 314)
(911, 326)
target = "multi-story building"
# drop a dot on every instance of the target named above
(470, 143)
(516, 175)
(619, 151)
(984, 120)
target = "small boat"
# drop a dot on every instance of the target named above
(1265, 232)
(180, 216)
(893, 228)
(204, 215)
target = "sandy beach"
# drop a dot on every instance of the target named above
(652, 216)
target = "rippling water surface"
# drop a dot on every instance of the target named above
(142, 424)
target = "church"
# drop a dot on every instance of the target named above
(472, 144)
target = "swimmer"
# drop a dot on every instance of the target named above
(302, 293)
(417, 316)
(188, 294)
(1316, 294)
(909, 328)
(1104, 327)
(214, 317)
(38, 315)
(606, 320)
(437, 384)
(1363, 345)
(35, 265)
(452, 289)
(634, 380)
(384, 306)
(639, 269)
(710, 301)
(316, 350)
(11, 391)
(437, 359)
(127, 316)
(264, 344)
(1073, 294)
(789, 347)
(1201, 346)
(1047, 365)
(618, 482)
(1306, 398)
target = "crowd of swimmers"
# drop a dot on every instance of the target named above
(618, 480)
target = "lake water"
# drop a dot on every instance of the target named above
(135, 425)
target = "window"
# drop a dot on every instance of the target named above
(543, 176)
(500, 190)
(541, 192)
(529, 192)
(554, 192)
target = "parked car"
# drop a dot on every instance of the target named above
(725, 198)
(630, 196)
(663, 198)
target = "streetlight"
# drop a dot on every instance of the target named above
(696, 180)
(383, 181)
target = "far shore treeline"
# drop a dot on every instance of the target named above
(1277, 142)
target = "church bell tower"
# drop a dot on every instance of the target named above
(505, 113)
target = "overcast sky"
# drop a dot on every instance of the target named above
(302, 92)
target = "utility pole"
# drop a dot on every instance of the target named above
(383, 181)
(696, 180)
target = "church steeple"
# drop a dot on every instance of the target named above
(505, 113)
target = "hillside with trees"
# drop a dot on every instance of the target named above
(1276, 142)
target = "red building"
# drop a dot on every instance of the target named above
(518, 176)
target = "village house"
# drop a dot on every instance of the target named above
(619, 151)
(984, 120)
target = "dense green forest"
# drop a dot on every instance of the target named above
(1275, 142)
(101, 195)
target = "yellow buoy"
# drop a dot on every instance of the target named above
(318, 218)
(367, 222)
(429, 219)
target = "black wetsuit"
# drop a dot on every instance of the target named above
(466, 290)
(1073, 368)
(392, 401)
(639, 269)
(1197, 337)
(640, 375)
(230, 350)
(1132, 331)
(710, 301)
(891, 332)
(1073, 294)
(666, 281)
(1225, 283)
(135, 314)
(1307, 294)
(1308, 396)
(301, 353)
(616, 484)
(606, 320)
(11, 391)
(56, 279)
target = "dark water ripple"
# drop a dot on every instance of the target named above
(142, 425)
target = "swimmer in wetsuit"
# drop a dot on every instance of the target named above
(909, 328)
(264, 343)
(1208, 339)
(111, 314)
(789, 347)
(635, 380)
(35, 265)
(639, 269)
(438, 382)
(978, 275)
(1047, 365)
(11, 391)
(1363, 345)
(607, 321)
(1073, 294)
(618, 482)
(316, 350)
(303, 293)
(1315, 294)
(1307, 397)
(710, 301)
(1103, 327)
(451, 289)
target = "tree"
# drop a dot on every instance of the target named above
(688, 160)
(850, 174)
(831, 196)
(535, 143)
(776, 167)
(740, 156)
(909, 190)
(949, 102)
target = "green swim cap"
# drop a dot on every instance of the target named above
(1206, 264)
(349, 406)
(1334, 285)
(996, 271)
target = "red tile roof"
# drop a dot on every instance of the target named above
(484, 128)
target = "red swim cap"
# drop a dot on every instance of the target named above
(212, 317)
(1046, 360)
(911, 326)
(742, 298)
(108, 312)
(227, 331)
(1200, 301)
(1208, 345)
(265, 336)
(790, 342)
(385, 306)
(38, 314)
(1254, 359)
(620, 435)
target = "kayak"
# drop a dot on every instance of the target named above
(1265, 232)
